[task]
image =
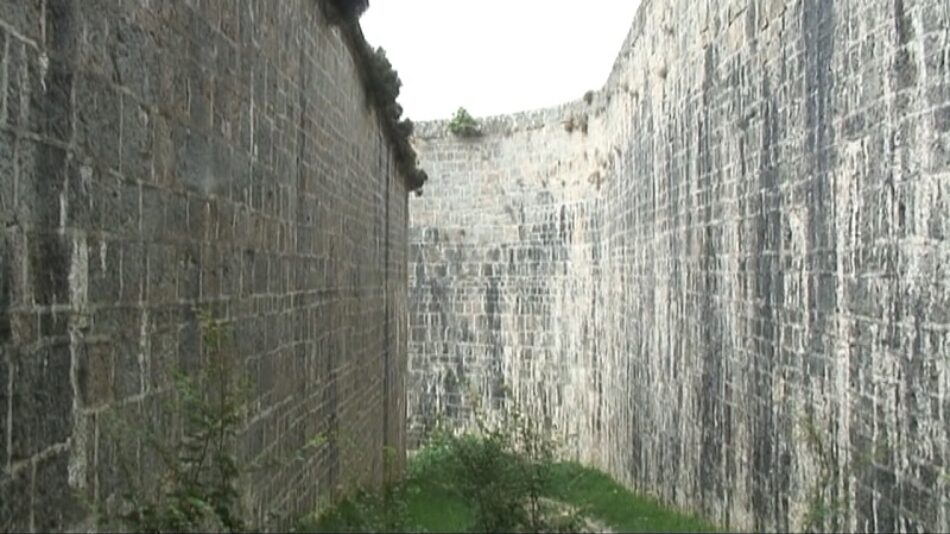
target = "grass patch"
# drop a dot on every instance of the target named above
(432, 509)
(414, 506)
(436, 498)
(606, 500)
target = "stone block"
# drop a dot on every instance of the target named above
(54, 502)
(96, 374)
(7, 178)
(41, 400)
(5, 392)
(129, 360)
(162, 274)
(136, 150)
(48, 267)
(16, 500)
(98, 110)
(188, 263)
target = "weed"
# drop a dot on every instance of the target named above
(569, 125)
(350, 8)
(434, 498)
(198, 472)
(464, 125)
(820, 506)
(574, 123)
(503, 470)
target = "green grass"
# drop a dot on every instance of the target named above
(432, 509)
(606, 500)
(426, 503)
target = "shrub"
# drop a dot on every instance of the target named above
(569, 125)
(573, 123)
(351, 8)
(364, 511)
(504, 471)
(198, 471)
(588, 97)
(464, 125)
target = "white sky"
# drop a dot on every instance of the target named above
(497, 56)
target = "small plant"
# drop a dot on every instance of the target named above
(464, 125)
(574, 123)
(365, 510)
(351, 8)
(197, 484)
(582, 124)
(487, 481)
(821, 507)
(569, 125)
(589, 97)
(504, 470)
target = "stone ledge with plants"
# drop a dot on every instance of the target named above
(381, 83)
(464, 125)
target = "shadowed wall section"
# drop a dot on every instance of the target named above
(161, 156)
(743, 308)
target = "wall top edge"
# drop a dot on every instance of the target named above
(533, 119)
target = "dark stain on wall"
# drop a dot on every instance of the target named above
(708, 484)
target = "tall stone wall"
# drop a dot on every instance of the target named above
(770, 274)
(505, 274)
(161, 157)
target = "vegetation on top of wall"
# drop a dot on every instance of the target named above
(381, 83)
(575, 123)
(464, 125)
(350, 8)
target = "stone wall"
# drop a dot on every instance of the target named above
(504, 274)
(157, 158)
(766, 289)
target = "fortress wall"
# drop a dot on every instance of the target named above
(769, 345)
(158, 158)
(504, 268)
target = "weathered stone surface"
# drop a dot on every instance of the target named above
(161, 156)
(753, 321)
(505, 275)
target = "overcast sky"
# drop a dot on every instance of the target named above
(497, 56)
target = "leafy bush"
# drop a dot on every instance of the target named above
(365, 511)
(504, 471)
(487, 475)
(464, 125)
(573, 123)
